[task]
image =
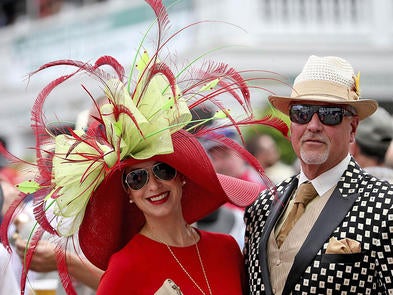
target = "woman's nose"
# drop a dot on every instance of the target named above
(153, 182)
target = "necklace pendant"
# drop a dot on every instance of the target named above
(169, 287)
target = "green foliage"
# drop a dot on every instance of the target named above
(288, 156)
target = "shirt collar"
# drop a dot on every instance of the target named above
(328, 179)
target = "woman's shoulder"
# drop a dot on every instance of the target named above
(219, 247)
(216, 237)
(133, 251)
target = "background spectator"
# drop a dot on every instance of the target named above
(265, 150)
(372, 140)
(8, 281)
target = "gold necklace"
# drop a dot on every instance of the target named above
(190, 229)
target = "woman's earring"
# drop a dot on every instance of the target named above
(131, 201)
(183, 182)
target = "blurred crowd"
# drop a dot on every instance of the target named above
(12, 10)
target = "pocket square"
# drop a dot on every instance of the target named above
(343, 246)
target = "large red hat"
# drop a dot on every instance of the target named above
(111, 221)
(78, 188)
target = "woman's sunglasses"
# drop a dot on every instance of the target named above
(137, 179)
(328, 115)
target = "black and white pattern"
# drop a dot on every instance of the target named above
(360, 208)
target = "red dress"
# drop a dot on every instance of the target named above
(143, 264)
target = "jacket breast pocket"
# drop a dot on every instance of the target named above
(342, 258)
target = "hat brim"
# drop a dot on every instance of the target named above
(364, 107)
(110, 221)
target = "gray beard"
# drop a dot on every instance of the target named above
(314, 158)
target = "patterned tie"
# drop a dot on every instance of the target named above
(304, 194)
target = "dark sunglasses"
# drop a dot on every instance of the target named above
(328, 115)
(137, 179)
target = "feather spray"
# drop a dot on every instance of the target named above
(139, 115)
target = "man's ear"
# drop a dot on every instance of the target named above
(354, 126)
(353, 149)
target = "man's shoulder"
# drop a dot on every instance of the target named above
(354, 175)
(286, 182)
(359, 180)
(275, 191)
(370, 177)
(377, 184)
(382, 173)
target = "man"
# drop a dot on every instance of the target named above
(342, 243)
(372, 141)
(226, 160)
(265, 150)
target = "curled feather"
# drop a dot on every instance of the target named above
(136, 120)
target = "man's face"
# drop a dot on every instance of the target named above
(321, 146)
(226, 161)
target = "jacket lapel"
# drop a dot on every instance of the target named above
(335, 210)
(278, 207)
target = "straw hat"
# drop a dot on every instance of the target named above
(328, 79)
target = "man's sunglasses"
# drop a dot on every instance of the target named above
(328, 115)
(137, 179)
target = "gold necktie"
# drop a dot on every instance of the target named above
(304, 194)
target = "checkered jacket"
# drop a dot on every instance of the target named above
(360, 208)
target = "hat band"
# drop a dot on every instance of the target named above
(323, 88)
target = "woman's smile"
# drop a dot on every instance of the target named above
(159, 199)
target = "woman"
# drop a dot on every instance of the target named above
(131, 184)
(167, 246)
(147, 225)
(8, 281)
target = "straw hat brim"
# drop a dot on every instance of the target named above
(364, 107)
(110, 221)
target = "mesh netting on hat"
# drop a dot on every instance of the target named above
(329, 68)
